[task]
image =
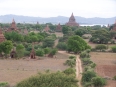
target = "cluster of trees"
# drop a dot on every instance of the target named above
(5, 47)
(89, 77)
(102, 36)
(58, 79)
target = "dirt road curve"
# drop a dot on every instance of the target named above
(78, 67)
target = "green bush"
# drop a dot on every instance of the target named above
(40, 52)
(101, 47)
(62, 46)
(87, 76)
(113, 49)
(57, 79)
(84, 55)
(114, 77)
(4, 84)
(86, 61)
(69, 71)
(98, 81)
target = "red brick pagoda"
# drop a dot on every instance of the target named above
(13, 27)
(72, 21)
(59, 28)
(114, 27)
(32, 54)
(46, 29)
(2, 38)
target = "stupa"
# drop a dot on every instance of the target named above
(72, 21)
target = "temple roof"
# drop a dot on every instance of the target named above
(72, 21)
(47, 28)
(2, 38)
(58, 27)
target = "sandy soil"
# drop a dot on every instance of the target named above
(13, 71)
(106, 66)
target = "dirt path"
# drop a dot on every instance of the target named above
(78, 67)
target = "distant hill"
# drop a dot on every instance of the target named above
(55, 20)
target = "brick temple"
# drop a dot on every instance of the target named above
(46, 29)
(2, 38)
(72, 21)
(114, 27)
(59, 28)
(13, 27)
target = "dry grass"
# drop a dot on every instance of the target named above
(106, 65)
(13, 71)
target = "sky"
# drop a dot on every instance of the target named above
(54, 8)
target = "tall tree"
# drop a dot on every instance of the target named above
(76, 44)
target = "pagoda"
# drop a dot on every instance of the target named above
(32, 54)
(13, 26)
(72, 21)
(59, 28)
(46, 29)
(114, 26)
(2, 38)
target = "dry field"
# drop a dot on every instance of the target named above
(106, 66)
(13, 71)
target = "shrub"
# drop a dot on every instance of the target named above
(114, 77)
(113, 49)
(4, 84)
(101, 47)
(72, 57)
(87, 76)
(57, 79)
(98, 81)
(84, 55)
(69, 71)
(40, 52)
(86, 61)
(26, 53)
(62, 46)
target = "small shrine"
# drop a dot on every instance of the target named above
(32, 54)
(2, 38)
(13, 27)
(114, 26)
(46, 29)
(72, 21)
(59, 28)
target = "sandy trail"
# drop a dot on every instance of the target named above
(78, 67)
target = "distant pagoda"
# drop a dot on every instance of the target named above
(114, 27)
(13, 26)
(2, 38)
(72, 21)
(46, 29)
(59, 28)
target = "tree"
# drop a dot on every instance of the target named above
(57, 79)
(87, 76)
(40, 52)
(101, 36)
(62, 46)
(20, 50)
(66, 29)
(98, 81)
(81, 32)
(48, 42)
(76, 44)
(46, 50)
(6, 47)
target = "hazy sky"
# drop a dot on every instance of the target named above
(53, 8)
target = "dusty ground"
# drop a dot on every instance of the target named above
(13, 71)
(106, 66)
